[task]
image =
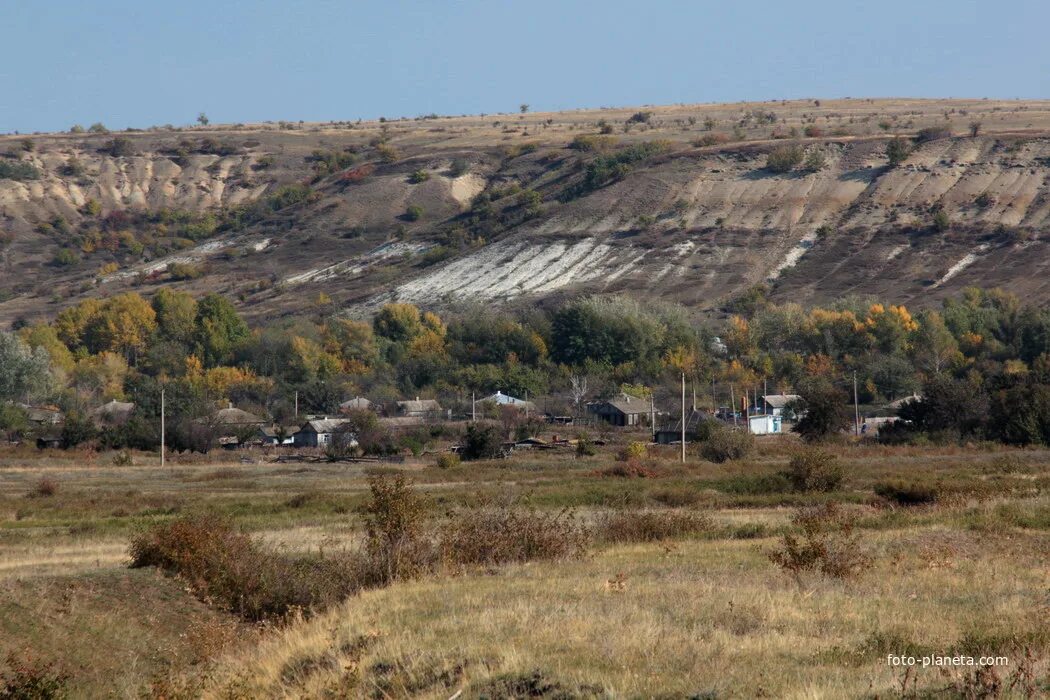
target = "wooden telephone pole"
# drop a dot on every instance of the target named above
(683, 418)
(162, 428)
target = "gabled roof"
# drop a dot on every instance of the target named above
(780, 400)
(627, 404)
(323, 425)
(419, 406)
(358, 402)
(693, 420)
(235, 416)
(900, 402)
(505, 399)
(113, 412)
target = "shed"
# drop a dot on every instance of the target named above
(765, 424)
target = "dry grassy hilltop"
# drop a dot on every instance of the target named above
(677, 201)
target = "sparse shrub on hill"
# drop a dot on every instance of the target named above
(418, 176)
(932, 133)
(459, 167)
(784, 159)
(413, 213)
(120, 147)
(726, 444)
(18, 170)
(396, 545)
(815, 161)
(447, 460)
(640, 118)
(897, 151)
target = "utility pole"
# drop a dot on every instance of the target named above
(652, 415)
(856, 406)
(526, 404)
(297, 407)
(683, 417)
(765, 393)
(732, 402)
(162, 428)
(692, 383)
(473, 409)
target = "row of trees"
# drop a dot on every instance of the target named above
(988, 349)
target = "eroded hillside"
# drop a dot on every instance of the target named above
(675, 202)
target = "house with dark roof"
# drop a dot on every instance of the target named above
(319, 433)
(623, 410)
(697, 425)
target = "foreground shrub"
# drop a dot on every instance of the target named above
(633, 451)
(813, 469)
(396, 546)
(907, 493)
(447, 460)
(28, 678)
(825, 544)
(726, 444)
(489, 536)
(45, 488)
(650, 525)
(224, 566)
(628, 470)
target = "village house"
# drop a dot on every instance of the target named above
(765, 424)
(358, 403)
(501, 399)
(113, 414)
(42, 416)
(623, 410)
(697, 425)
(318, 433)
(420, 408)
(776, 403)
(273, 435)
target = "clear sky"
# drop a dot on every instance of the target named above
(150, 62)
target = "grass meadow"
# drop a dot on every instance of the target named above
(543, 575)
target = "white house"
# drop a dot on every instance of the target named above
(501, 399)
(777, 402)
(318, 433)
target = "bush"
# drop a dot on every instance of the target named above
(120, 147)
(726, 444)
(827, 411)
(28, 678)
(941, 222)
(813, 469)
(223, 565)
(933, 133)
(44, 488)
(459, 167)
(815, 161)
(907, 493)
(482, 442)
(589, 142)
(395, 544)
(418, 176)
(826, 544)
(491, 536)
(414, 213)
(712, 139)
(784, 159)
(650, 525)
(447, 460)
(633, 451)
(640, 118)
(627, 470)
(584, 446)
(897, 151)
(18, 170)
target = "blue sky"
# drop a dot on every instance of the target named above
(147, 62)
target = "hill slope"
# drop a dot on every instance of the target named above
(675, 202)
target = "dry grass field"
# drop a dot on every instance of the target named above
(698, 611)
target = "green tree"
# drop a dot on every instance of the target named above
(826, 411)
(220, 330)
(24, 374)
(897, 151)
(176, 314)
